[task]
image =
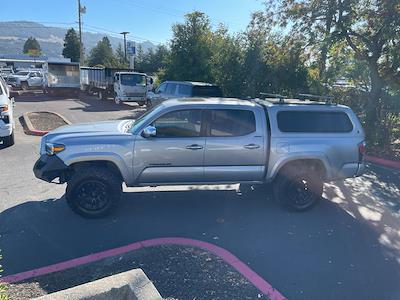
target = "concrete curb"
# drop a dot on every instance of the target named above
(29, 129)
(133, 284)
(259, 282)
(384, 162)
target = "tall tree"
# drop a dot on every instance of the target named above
(32, 47)
(227, 62)
(371, 29)
(102, 54)
(120, 57)
(71, 45)
(191, 49)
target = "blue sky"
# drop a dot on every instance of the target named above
(145, 19)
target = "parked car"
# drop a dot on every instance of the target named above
(297, 146)
(122, 85)
(5, 72)
(7, 123)
(62, 77)
(26, 79)
(180, 89)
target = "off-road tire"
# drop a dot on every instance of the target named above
(298, 187)
(104, 186)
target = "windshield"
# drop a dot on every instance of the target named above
(137, 124)
(133, 79)
(22, 73)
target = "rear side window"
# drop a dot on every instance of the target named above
(206, 91)
(184, 90)
(314, 122)
(230, 122)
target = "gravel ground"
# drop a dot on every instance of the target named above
(45, 121)
(178, 272)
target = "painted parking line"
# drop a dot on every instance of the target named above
(265, 287)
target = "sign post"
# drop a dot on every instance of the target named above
(131, 50)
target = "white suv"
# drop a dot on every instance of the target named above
(7, 123)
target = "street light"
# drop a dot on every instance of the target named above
(125, 33)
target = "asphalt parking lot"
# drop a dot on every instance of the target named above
(347, 247)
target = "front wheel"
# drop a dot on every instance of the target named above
(93, 192)
(9, 140)
(298, 188)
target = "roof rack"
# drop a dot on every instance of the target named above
(310, 97)
(276, 96)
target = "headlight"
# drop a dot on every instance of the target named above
(52, 149)
(4, 108)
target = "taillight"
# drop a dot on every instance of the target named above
(362, 148)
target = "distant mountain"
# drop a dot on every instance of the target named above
(51, 39)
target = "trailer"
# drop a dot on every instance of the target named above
(61, 77)
(99, 81)
(123, 85)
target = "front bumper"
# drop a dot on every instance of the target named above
(48, 168)
(131, 99)
(6, 127)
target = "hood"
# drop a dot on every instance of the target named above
(106, 127)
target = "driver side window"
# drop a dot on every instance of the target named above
(161, 89)
(181, 123)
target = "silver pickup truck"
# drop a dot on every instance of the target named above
(295, 145)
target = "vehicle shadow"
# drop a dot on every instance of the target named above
(92, 104)
(324, 253)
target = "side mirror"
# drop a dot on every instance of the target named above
(149, 131)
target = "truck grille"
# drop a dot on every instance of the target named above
(134, 94)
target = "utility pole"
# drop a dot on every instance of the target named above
(125, 33)
(81, 10)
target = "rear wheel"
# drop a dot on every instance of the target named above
(102, 95)
(298, 187)
(93, 191)
(24, 86)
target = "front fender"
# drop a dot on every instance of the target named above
(101, 156)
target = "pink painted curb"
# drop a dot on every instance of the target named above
(384, 162)
(225, 255)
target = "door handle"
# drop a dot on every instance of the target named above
(194, 147)
(252, 146)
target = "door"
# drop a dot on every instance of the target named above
(234, 146)
(34, 79)
(175, 154)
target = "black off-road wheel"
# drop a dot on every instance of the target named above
(93, 191)
(298, 187)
